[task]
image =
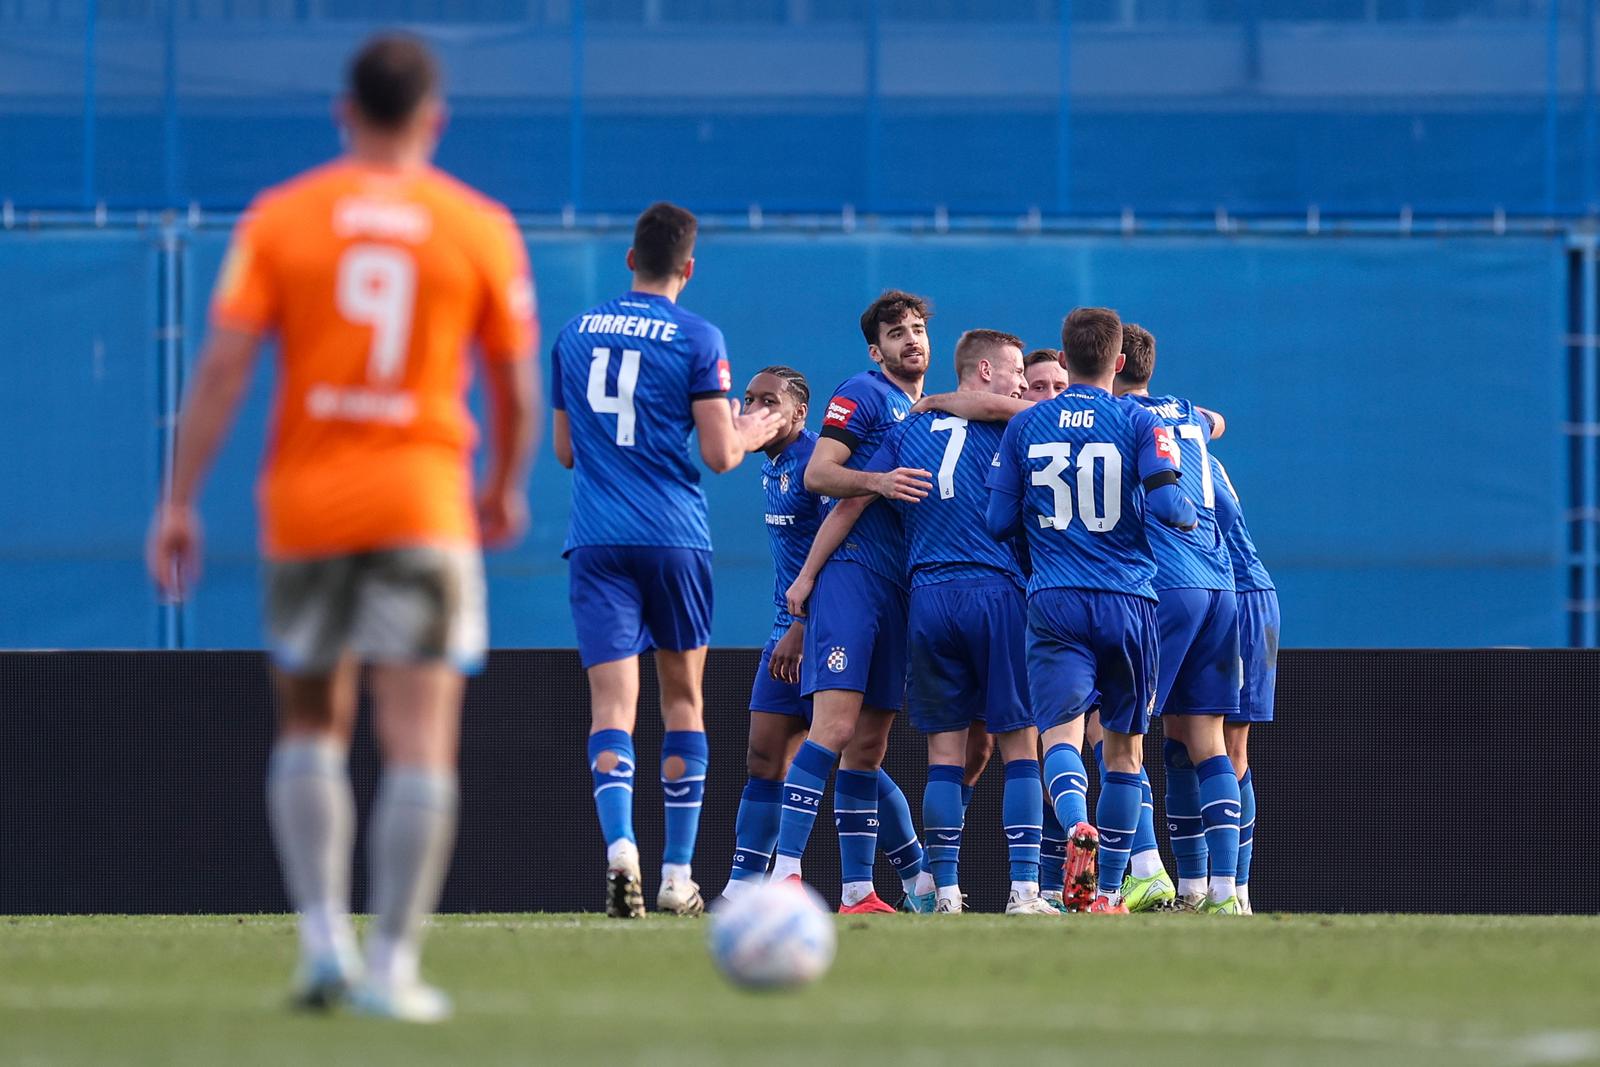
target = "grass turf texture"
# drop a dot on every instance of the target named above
(960, 990)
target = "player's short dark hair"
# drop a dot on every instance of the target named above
(794, 383)
(663, 240)
(390, 77)
(978, 344)
(1091, 339)
(1139, 346)
(1041, 355)
(889, 309)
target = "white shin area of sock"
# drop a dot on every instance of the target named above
(1146, 864)
(391, 963)
(1221, 887)
(922, 883)
(675, 872)
(1190, 886)
(784, 866)
(1025, 890)
(856, 892)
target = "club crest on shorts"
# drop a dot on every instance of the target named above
(837, 660)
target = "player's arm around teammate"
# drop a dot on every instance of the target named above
(368, 526)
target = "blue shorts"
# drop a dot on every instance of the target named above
(769, 694)
(856, 636)
(1199, 652)
(627, 599)
(1089, 648)
(1258, 655)
(968, 656)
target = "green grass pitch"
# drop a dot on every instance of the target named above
(973, 989)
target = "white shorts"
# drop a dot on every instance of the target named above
(397, 605)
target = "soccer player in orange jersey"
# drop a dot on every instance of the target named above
(375, 272)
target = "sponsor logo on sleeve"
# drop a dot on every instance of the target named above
(840, 409)
(724, 375)
(1166, 448)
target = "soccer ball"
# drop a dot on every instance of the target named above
(773, 936)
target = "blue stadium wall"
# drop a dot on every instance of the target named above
(1396, 411)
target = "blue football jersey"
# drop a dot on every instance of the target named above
(627, 374)
(860, 414)
(1197, 558)
(1079, 462)
(945, 533)
(793, 515)
(1249, 574)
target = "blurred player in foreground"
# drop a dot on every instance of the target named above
(1259, 624)
(375, 272)
(779, 715)
(1078, 473)
(632, 378)
(1199, 667)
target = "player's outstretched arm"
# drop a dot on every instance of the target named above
(725, 437)
(1219, 425)
(561, 437)
(973, 406)
(1168, 504)
(827, 475)
(513, 389)
(830, 535)
(221, 378)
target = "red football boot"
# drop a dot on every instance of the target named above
(1082, 867)
(1102, 906)
(871, 904)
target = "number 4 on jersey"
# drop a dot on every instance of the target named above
(603, 403)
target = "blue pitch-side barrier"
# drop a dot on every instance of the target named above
(1396, 411)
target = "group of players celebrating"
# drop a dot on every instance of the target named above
(903, 532)
(1049, 556)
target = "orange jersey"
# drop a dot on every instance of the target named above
(376, 283)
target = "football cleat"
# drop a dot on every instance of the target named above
(624, 887)
(680, 896)
(1155, 893)
(1230, 906)
(323, 983)
(1243, 894)
(1081, 868)
(1034, 905)
(410, 1002)
(1193, 902)
(871, 904)
(918, 903)
(1103, 906)
(1052, 897)
(950, 906)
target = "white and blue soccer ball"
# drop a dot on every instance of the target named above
(773, 936)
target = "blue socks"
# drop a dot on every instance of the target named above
(1052, 853)
(1144, 839)
(1067, 785)
(1117, 816)
(1247, 825)
(755, 831)
(613, 789)
(855, 814)
(683, 793)
(1184, 827)
(802, 798)
(942, 812)
(897, 834)
(1219, 812)
(1023, 808)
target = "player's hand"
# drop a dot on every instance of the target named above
(798, 593)
(173, 551)
(756, 429)
(909, 484)
(502, 516)
(784, 665)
